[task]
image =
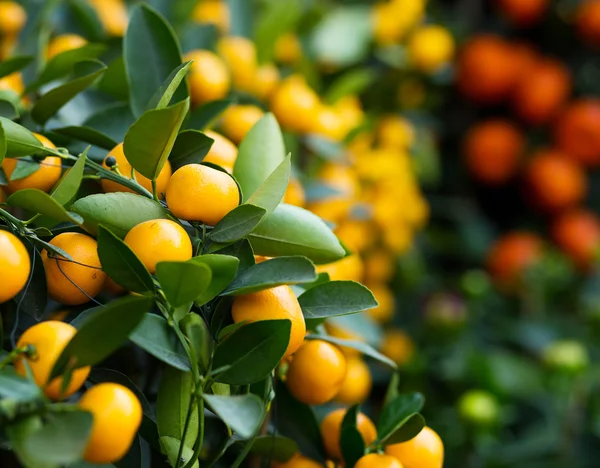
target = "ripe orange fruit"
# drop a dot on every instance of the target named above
(523, 12)
(345, 184)
(74, 282)
(265, 81)
(43, 179)
(356, 234)
(555, 181)
(272, 304)
(379, 266)
(387, 303)
(294, 194)
(339, 331)
(14, 266)
(511, 255)
(577, 233)
(349, 268)
(48, 339)
(487, 69)
(587, 21)
(331, 427)
(117, 414)
(357, 383)
(288, 49)
(430, 48)
(222, 152)
(237, 120)
(297, 461)
(316, 372)
(396, 132)
(125, 170)
(328, 123)
(13, 82)
(208, 77)
(426, 450)
(541, 92)
(492, 151)
(159, 240)
(239, 54)
(112, 14)
(295, 104)
(398, 346)
(213, 12)
(578, 131)
(201, 193)
(63, 43)
(378, 460)
(12, 18)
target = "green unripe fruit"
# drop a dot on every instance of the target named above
(567, 356)
(479, 408)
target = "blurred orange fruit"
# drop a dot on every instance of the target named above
(63, 43)
(331, 427)
(222, 152)
(208, 77)
(398, 346)
(578, 131)
(212, 12)
(357, 383)
(511, 255)
(237, 120)
(426, 450)
(588, 21)
(523, 12)
(577, 233)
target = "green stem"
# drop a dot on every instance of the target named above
(14, 354)
(186, 426)
(12, 219)
(242, 456)
(154, 190)
(200, 439)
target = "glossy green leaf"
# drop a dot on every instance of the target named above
(88, 135)
(199, 338)
(272, 190)
(118, 212)
(259, 154)
(14, 64)
(271, 273)
(351, 441)
(170, 447)
(252, 351)
(17, 140)
(291, 230)
(182, 282)
(18, 432)
(238, 223)
(275, 447)
(242, 251)
(40, 202)
(8, 109)
(69, 184)
(191, 146)
(102, 333)
(396, 414)
(223, 267)
(162, 97)
(121, 264)
(151, 53)
(242, 413)
(114, 81)
(86, 18)
(114, 121)
(361, 346)
(150, 139)
(16, 388)
(155, 336)
(25, 167)
(204, 116)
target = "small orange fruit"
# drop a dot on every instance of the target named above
(316, 372)
(213, 12)
(398, 346)
(379, 266)
(387, 303)
(113, 15)
(294, 194)
(349, 268)
(201, 193)
(357, 384)
(265, 81)
(297, 461)
(577, 233)
(511, 256)
(14, 266)
(395, 132)
(295, 104)
(378, 460)
(578, 131)
(239, 54)
(222, 152)
(587, 21)
(426, 450)
(237, 120)
(63, 43)
(209, 79)
(48, 339)
(430, 48)
(74, 282)
(13, 82)
(288, 49)
(159, 240)
(523, 12)
(272, 304)
(331, 428)
(12, 18)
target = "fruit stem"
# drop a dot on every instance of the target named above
(16, 221)
(14, 354)
(154, 191)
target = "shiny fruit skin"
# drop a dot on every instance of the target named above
(159, 240)
(125, 170)
(49, 338)
(85, 269)
(398, 346)
(238, 120)
(43, 179)
(396, 132)
(272, 304)
(587, 21)
(316, 372)
(357, 383)
(117, 415)
(523, 13)
(63, 43)
(15, 266)
(511, 256)
(577, 131)
(208, 77)
(12, 18)
(555, 181)
(331, 428)
(430, 48)
(378, 460)
(222, 152)
(492, 151)
(201, 193)
(426, 450)
(577, 233)
(297, 461)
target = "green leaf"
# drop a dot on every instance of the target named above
(271, 273)
(170, 448)
(291, 230)
(114, 81)
(252, 351)
(25, 167)
(151, 53)
(172, 403)
(242, 251)
(62, 439)
(86, 18)
(223, 267)
(13, 64)
(121, 264)
(102, 333)
(352, 82)
(114, 121)
(361, 346)
(395, 414)
(272, 190)
(182, 282)
(40, 202)
(244, 414)
(155, 336)
(260, 152)
(409, 429)
(238, 223)
(17, 141)
(118, 212)
(34, 298)
(69, 184)
(274, 447)
(51, 102)
(17, 388)
(150, 139)
(164, 94)
(191, 146)
(351, 441)
(87, 134)
(201, 342)
(276, 19)
(205, 115)
(8, 109)
(18, 432)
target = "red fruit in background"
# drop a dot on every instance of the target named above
(511, 256)
(587, 21)
(577, 233)
(577, 131)
(493, 150)
(555, 181)
(523, 12)
(542, 91)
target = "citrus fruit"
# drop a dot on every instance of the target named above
(379, 266)
(587, 20)
(12, 18)
(113, 15)
(48, 339)
(349, 268)
(426, 450)
(523, 12)
(201, 193)
(397, 346)
(63, 43)
(239, 54)
(316, 372)
(387, 304)
(75, 281)
(577, 131)
(208, 76)
(357, 383)
(430, 48)
(213, 12)
(577, 233)
(13, 82)
(392, 20)
(265, 81)
(272, 304)
(295, 104)
(331, 427)
(344, 184)
(479, 407)
(294, 194)
(222, 152)
(377, 460)
(396, 132)
(238, 119)
(117, 415)
(159, 240)
(14, 266)
(297, 461)
(328, 123)
(288, 49)
(510, 257)
(566, 355)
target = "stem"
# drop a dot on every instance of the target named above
(11, 218)
(242, 456)
(186, 426)
(14, 354)
(154, 191)
(198, 445)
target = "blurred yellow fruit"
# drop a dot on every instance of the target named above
(357, 384)
(222, 152)
(360, 144)
(237, 120)
(349, 110)
(266, 80)
(288, 49)
(383, 163)
(338, 331)
(112, 15)
(387, 304)
(12, 18)
(213, 12)
(328, 123)
(349, 268)
(396, 132)
(239, 54)
(398, 346)
(63, 43)
(398, 238)
(13, 82)
(208, 77)
(379, 266)
(297, 461)
(430, 48)
(294, 195)
(343, 180)
(356, 234)
(295, 104)
(392, 20)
